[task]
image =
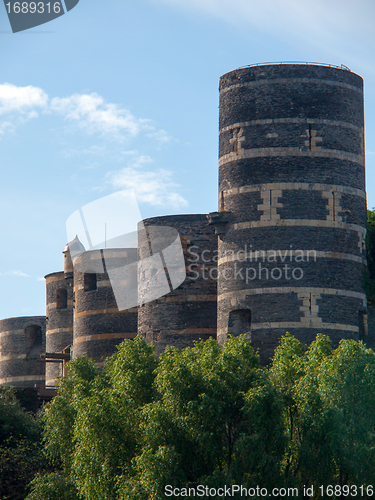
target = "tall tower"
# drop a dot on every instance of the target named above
(292, 203)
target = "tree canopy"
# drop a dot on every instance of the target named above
(20, 447)
(210, 415)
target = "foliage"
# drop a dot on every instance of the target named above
(208, 426)
(329, 399)
(52, 486)
(92, 425)
(20, 447)
(213, 416)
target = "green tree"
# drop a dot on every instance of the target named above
(211, 415)
(91, 428)
(20, 447)
(329, 400)
(217, 421)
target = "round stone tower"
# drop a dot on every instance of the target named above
(59, 334)
(22, 341)
(292, 203)
(99, 326)
(183, 313)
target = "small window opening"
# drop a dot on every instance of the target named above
(61, 298)
(239, 322)
(34, 338)
(89, 282)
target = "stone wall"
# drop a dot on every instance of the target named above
(188, 312)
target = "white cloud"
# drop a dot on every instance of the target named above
(18, 273)
(161, 136)
(93, 114)
(21, 99)
(19, 104)
(153, 187)
(89, 111)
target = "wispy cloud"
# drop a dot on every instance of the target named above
(90, 112)
(17, 273)
(153, 187)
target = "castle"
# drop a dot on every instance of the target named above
(284, 252)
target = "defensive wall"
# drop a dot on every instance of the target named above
(284, 252)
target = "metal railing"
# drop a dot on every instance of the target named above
(298, 62)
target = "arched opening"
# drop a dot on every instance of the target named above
(61, 298)
(239, 322)
(89, 282)
(34, 340)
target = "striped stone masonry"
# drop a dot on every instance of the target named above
(99, 326)
(188, 313)
(291, 176)
(22, 341)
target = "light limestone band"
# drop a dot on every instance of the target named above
(104, 336)
(13, 356)
(12, 332)
(25, 378)
(308, 121)
(278, 152)
(321, 325)
(55, 278)
(99, 284)
(337, 188)
(241, 294)
(52, 305)
(104, 311)
(288, 81)
(282, 255)
(59, 330)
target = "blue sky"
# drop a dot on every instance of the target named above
(124, 93)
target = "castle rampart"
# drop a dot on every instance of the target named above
(284, 252)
